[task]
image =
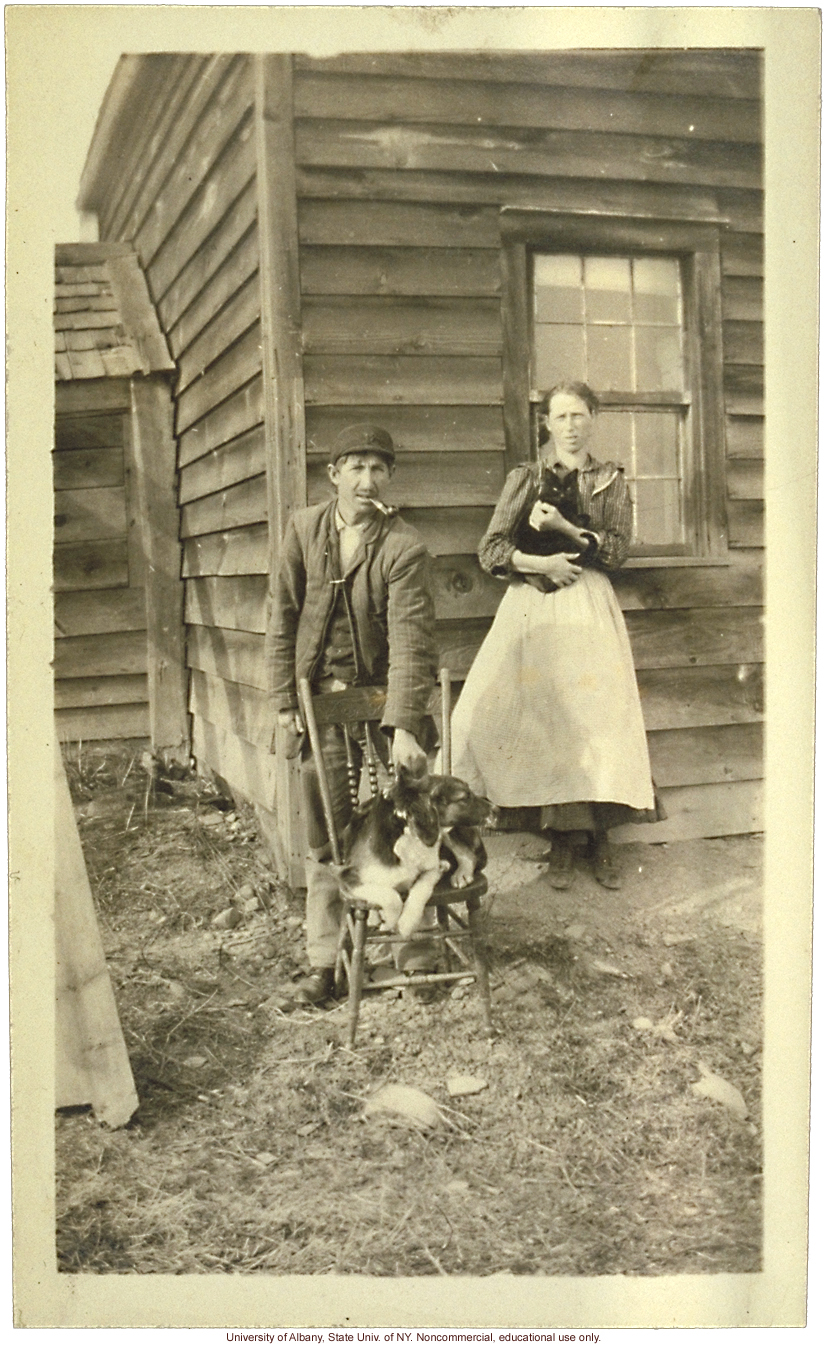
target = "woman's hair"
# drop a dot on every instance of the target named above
(581, 390)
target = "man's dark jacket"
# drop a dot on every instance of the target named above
(389, 588)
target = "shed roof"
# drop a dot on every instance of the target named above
(104, 323)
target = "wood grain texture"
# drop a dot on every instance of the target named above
(213, 301)
(692, 697)
(385, 98)
(712, 74)
(231, 602)
(395, 224)
(746, 523)
(249, 772)
(225, 466)
(202, 271)
(746, 480)
(88, 432)
(743, 343)
(702, 810)
(102, 722)
(421, 480)
(516, 326)
(234, 656)
(414, 429)
(738, 210)
(399, 271)
(91, 565)
(349, 380)
(213, 131)
(243, 710)
(94, 612)
(225, 424)
(230, 508)
(78, 692)
(89, 515)
(110, 654)
(334, 144)
(401, 326)
(745, 437)
(184, 97)
(91, 396)
(743, 254)
(234, 368)
(153, 448)
(241, 312)
(74, 469)
(702, 756)
(231, 174)
(450, 532)
(241, 551)
(743, 298)
(675, 638)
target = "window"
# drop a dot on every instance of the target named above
(642, 325)
(617, 324)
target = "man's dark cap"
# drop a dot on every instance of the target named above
(363, 439)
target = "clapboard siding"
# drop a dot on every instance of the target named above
(77, 692)
(109, 654)
(706, 756)
(91, 565)
(399, 326)
(415, 429)
(396, 224)
(225, 466)
(443, 149)
(232, 370)
(216, 299)
(89, 515)
(472, 102)
(350, 380)
(399, 271)
(245, 768)
(231, 602)
(224, 423)
(231, 508)
(237, 551)
(420, 480)
(88, 432)
(79, 468)
(745, 437)
(739, 209)
(242, 710)
(728, 74)
(95, 612)
(98, 722)
(229, 236)
(235, 656)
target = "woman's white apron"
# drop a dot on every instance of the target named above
(550, 711)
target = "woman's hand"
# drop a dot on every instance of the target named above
(561, 568)
(547, 518)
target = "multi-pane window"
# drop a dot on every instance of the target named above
(618, 324)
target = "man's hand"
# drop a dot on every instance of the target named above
(291, 721)
(407, 752)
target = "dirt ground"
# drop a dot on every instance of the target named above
(586, 1151)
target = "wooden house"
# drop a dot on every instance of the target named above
(425, 239)
(118, 601)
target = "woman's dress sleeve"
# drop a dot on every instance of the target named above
(495, 551)
(611, 519)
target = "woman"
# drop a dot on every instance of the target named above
(549, 717)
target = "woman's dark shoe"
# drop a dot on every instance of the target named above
(605, 868)
(560, 870)
(317, 986)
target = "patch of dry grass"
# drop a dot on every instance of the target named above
(586, 1154)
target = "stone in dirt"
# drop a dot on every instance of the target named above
(465, 1085)
(719, 1090)
(227, 919)
(413, 1105)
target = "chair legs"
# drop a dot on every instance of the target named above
(480, 963)
(356, 973)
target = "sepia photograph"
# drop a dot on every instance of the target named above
(408, 585)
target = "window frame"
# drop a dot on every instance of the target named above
(696, 244)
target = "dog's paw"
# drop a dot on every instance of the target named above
(461, 878)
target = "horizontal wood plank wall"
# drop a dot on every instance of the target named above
(99, 603)
(403, 164)
(190, 209)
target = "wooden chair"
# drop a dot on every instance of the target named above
(457, 931)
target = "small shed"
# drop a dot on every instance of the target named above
(428, 239)
(118, 604)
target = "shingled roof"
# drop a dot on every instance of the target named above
(104, 323)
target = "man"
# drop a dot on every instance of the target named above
(352, 605)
